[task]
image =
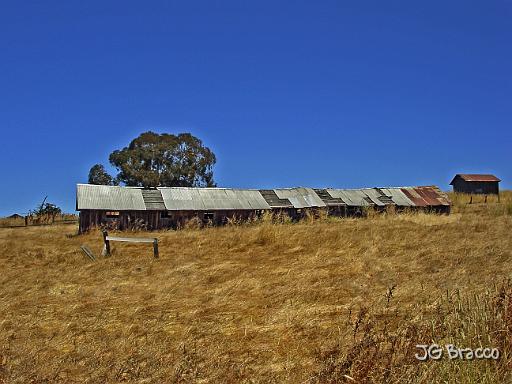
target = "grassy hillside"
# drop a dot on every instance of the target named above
(332, 300)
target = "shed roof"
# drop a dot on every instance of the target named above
(200, 199)
(105, 197)
(476, 177)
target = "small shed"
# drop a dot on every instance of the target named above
(480, 184)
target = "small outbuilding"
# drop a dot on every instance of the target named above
(476, 184)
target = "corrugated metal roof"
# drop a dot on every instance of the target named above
(300, 197)
(104, 197)
(273, 200)
(433, 195)
(414, 196)
(398, 197)
(153, 200)
(475, 177)
(115, 198)
(352, 197)
(328, 199)
(426, 196)
(206, 199)
(373, 195)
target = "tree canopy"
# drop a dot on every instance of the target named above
(154, 159)
(98, 175)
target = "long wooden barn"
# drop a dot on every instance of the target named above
(166, 207)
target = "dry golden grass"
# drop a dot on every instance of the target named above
(317, 301)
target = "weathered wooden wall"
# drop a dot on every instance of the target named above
(154, 220)
(126, 220)
(476, 187)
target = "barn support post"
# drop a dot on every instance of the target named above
(155, 248)
(106, 249)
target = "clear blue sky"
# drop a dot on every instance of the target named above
(295, 93)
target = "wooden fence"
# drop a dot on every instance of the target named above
(107, 239)
(21, 223)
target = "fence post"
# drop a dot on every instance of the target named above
(155, 248)
(106, 251)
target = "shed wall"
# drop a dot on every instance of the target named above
(476, 187)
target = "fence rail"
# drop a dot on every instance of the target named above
(107, 239)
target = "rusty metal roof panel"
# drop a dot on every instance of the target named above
(433, 195)
(442, 196)
(211, 199)
(416, 198)
(105, 197)
(429, 198)
(401, 196)
(424, 196)
(300, 197)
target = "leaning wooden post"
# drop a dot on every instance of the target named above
(155, 248)
(106, 251)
